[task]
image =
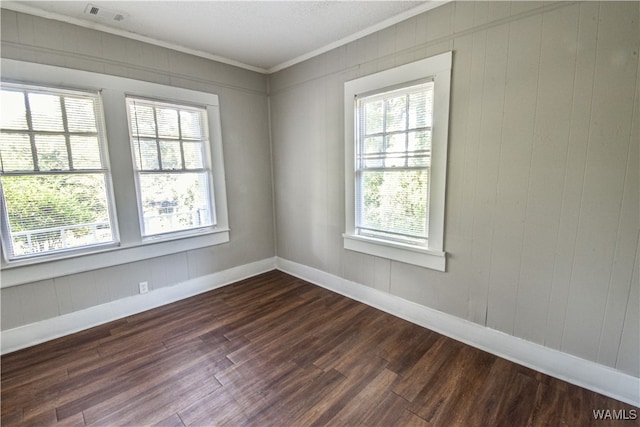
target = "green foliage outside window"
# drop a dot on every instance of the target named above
(45, 202)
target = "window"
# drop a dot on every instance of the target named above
(60, 195)
(56, 188)
(170, 146)
(396, 147)
(393, 155)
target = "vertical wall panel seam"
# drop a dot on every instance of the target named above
(484, 73)
(564, 185)
(528, 193)
(626, 308)
(584, 176)
(504, 96)
(55, 290)
(465, 138)
(188, 255)
(475, 181)
(622, 203)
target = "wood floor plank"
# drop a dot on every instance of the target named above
(343, 394)
(327, 331)
(116, 362)
(447, 397)
(11, 417)
(366, 400)
(45, 417)
(457, 392)
(428, 368)
(284, 327)
(517, 404)
(487, 401)
(366, 344)
(307, 398)
(20, 394)
(408, 348)
(344, 340)
(386, 412)
(216, 409)
(275, 398)
(548, 399)
(117, 383)
(52, 367)
(75, 421)
(114, 380)
(403, 343)
(173, 420)
(273, 350)
(154, 404)
(409, 419)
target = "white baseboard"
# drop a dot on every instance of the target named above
(45, 330)
(584, 373)
(581, 372)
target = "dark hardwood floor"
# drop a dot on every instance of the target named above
(274, 350)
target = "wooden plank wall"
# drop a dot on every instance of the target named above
(542, 215)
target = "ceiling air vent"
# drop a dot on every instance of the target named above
(104, 14)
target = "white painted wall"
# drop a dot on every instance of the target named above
(542, 214)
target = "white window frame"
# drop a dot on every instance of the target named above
(432, 255)
(146, 236)
(105, 170)
(133, 247)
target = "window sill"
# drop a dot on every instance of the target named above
(181, 234)
(34, 269)
(435, 260)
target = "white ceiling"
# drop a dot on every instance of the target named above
(263, 36)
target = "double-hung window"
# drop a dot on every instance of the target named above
(61, 198)
(393, 156)
(170, 146)
(56, 186)
(396, 147)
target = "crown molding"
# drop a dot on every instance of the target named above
(24, 8)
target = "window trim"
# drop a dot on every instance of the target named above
(132, 247)
(105, 170)
(206, 169)
(361, 100)
(439, 69)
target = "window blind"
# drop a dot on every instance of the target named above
(169, 143)
(55, 185)
(393, 159)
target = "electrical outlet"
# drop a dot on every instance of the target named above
(144, 287)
